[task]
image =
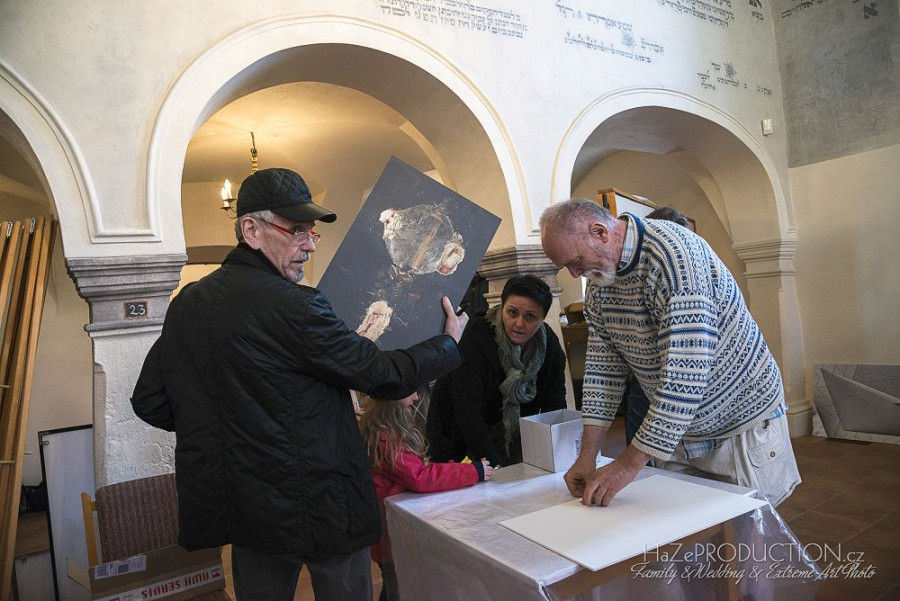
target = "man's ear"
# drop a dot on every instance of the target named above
(250, 229)
(599, 232)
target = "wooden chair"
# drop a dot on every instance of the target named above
(135, 517)
(575, 336)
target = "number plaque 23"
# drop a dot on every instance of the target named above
(136, 309)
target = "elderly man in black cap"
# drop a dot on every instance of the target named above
(252, 373)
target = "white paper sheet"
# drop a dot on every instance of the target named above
(644, 515)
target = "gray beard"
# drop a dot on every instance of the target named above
(300, 274)
(601, 277)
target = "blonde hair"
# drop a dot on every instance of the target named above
(397, 421)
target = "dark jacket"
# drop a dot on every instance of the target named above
(252, 373)
(465, 417)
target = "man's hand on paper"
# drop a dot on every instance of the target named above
(607, 481)
(591, 439)
(578, 475)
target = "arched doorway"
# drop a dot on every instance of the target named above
(672, 148)
(466, 142)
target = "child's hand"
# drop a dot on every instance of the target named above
(488, 470)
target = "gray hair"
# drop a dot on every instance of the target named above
(265, 215)
(566, 215)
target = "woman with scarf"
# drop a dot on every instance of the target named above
(513, 366)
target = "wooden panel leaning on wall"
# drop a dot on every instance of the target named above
(25, 251)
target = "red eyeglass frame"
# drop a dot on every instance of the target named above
(296, 235)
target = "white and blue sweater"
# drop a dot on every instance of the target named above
(677, 319)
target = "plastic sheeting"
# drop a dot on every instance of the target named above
(451, 546)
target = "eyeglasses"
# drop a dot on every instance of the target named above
(296, 234)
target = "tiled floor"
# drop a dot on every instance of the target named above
(850, 497)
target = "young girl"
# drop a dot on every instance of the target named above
(399, 464)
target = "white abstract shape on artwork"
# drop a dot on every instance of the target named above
(376, 321)
(421, 240)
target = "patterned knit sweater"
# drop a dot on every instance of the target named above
(677, 319)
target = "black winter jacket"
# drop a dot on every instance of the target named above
(466, 412)
(252, 373)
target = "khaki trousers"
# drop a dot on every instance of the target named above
(761, 458)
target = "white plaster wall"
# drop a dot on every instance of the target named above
(848, 279)
(113, 64)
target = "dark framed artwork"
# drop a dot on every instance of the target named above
(413, 241)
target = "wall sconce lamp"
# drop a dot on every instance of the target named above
(229, 202)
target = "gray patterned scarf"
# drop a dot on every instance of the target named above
(521, 365)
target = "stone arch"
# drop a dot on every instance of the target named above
(40, 135)
(748, 189)
(292, 48)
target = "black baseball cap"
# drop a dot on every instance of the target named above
(283, 192)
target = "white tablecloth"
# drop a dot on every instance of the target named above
(451, 546)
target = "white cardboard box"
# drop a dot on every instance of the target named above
(552, 440)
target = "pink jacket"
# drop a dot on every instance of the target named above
(411, 474)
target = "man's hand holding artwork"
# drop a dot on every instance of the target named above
(454, 324)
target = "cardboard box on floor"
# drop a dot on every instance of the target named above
(171, 573)
(552, 440)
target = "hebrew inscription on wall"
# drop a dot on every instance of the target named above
(798, 6)
(756, 10)
(724, 75)
(867, 10)
(720, 74)
(458, 14)
(606, 35)
(714, 12)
